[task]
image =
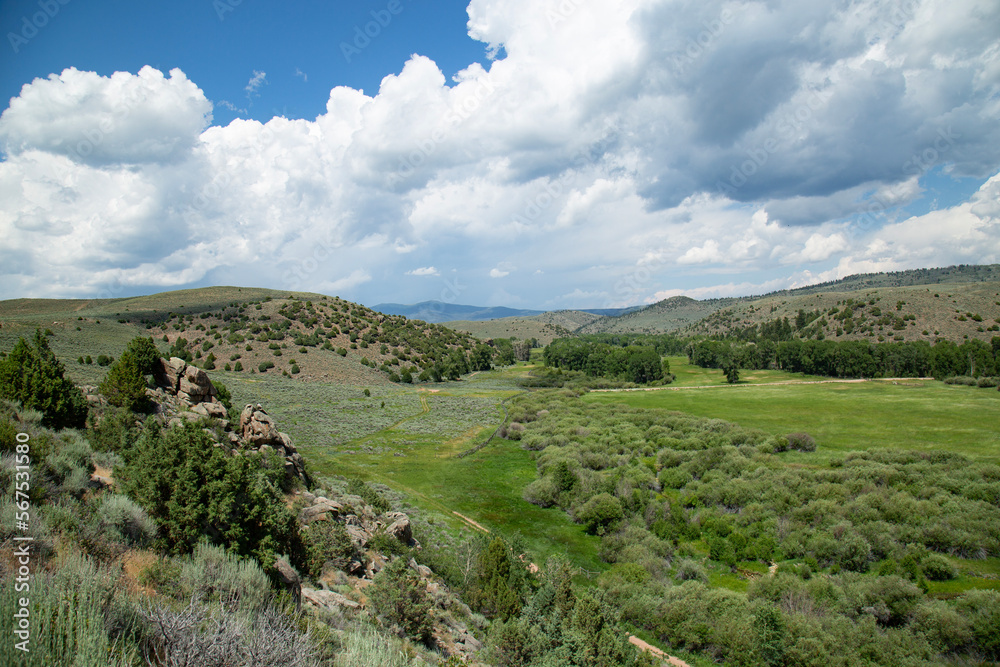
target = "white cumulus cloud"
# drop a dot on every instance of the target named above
(624, 149)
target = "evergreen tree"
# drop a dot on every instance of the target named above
(35, 378)
(145, 354)
(193, 489)
(400, 597)
(125, 385)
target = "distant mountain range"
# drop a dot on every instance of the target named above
(438, 311)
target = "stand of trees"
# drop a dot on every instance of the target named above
(856, 359)
(633, 363)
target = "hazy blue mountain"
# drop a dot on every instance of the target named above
(438, 311)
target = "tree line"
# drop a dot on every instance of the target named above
(852, 359)
(624, 358)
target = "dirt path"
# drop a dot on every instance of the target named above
(649, 648)
(469, 521)
(762, 384)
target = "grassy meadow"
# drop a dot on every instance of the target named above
(409, 439)
(920, 415)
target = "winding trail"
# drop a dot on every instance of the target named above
(424, 409)
(469, 521)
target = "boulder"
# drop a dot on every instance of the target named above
(376, 565)
(358, 535)
(169, 372)
(320, 511)
(400, 528)
(422, 570)
(286, 442)
(194, 385)
(257, 428)
(327, 599)
(216, 410)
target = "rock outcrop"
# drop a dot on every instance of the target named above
(454, 623)
(186, 393)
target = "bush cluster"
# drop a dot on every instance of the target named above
(661, 487)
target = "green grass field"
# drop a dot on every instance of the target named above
(411, 444)
(919, 415)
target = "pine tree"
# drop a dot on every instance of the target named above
(36, 379)
(125, 385)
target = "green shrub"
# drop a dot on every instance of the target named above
(357, 487)
(70, 465)
(600, 513)
(327, 542)
(74, 619)
(212, 573)
(802, 442)
(366, 648)
(943, 627)
(400, 598)
(164, 576)
(938, 568)
(125, 519)
(982, 609)
(125, 385)
(8, 435)
(689, 570)
(115, 431)
(144, 353)
(36, 379)
(193, 489)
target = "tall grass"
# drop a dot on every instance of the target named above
(70, 612)
(367, 648)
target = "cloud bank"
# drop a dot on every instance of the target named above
(627, 150)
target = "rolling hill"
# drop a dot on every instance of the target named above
(968, 289)
(309, 336)
(544, 328)
(953, 311)
(438, 311)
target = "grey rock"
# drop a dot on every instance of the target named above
(327, 599)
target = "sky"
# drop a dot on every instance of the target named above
(530, 153)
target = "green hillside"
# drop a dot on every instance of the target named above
(954, 311)
(309, 336)
(661, 317)
(964, 292)
(544, 328)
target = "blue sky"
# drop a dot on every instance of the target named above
(529, 153)
(220, 45)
